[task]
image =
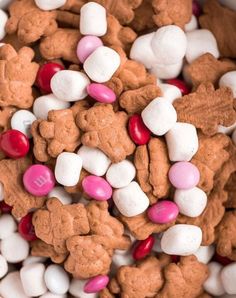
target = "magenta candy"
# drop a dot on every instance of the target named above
(38, 180)
(101, 93)
(197, 11)
(86, 46)
(163, 212)
(97, 188)
(184, 175)
(96, 284)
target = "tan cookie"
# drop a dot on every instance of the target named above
(207, 108)
(13, 40)
(143, 17)
(5, 116)
(105, 293)
(73, 5)
(116, 85)
(231, 189)
(78, 189)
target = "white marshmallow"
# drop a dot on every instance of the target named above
(69, 85)
(11, 286)
(4, 3)
(1, 192)
(93, 19)
(141, 50)
(191, 202)
(159, 116)
(94, 160)
(22, 120)
(32, 279)
(213, 285)
(228, 278)
(43, 104)
(205, 253)
(3, 266)
(167, 71)
(51, 295)
(234, 137)
(7, 226)
(119, 260)
(181, 240)
(169, 44)
(60, 193)
(49, 4)
(56, 279)
(229, 3)
(121, 174)
(3, 21)
(200, 42)
(192, 24)
(229, 80)
(68, 168)
(226, 130)
(33, 260)
(77, 289)
(130, 200)
(170, 92)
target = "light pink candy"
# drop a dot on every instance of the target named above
(38, 180)
(86, 46)
(96, 284)
(163, 212)
(101, 93)
(97, 188)
(184, 175)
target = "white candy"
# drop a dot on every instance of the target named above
(228, 278)
(205, 253)
(170, 92)
(51, 295)
(181, 240)
(234, 137)
(7, 226)
(43, 104)
(191, 25)
(226, 130)
(69, 85)
(11, 287)
(57, 280)
(1, 192)
(130, 200)
(3, 21)
(3, 266)
(121, 174)
(213, 285)
(169, 44)
(60, 193)
(32, 279)
(102, 64)
(33, 260)
(77, 289)
(94, 160)
(167, 71)
(229, 80)
(159, 116)
(229, 3)
(68, 168)
(191, 202)
(22, 120)
(200, 42)
(49, 4)
(93, 19)
(4, 3)
(8, 248)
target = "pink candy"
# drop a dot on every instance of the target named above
(163, 212)
(96, 284)
(38, 180)
(184, 175)
(97, 188)
(101, 93)
(86, 46)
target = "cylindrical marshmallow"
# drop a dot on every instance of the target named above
(60, 193)
(167, 71)
(4, 3)
(170, 92)
(3, 266)
(229, 80)
(51, 295)
(49, 4)
(7, 226)
(33, 260)
(192, 24)
(226, 130)
(22, 120)
(56, 279)
(3, 21)
(77, 289)
(229, 3)
(205, 253)
(119, 260)
(11, 286)
(213, 285)
(228, 278)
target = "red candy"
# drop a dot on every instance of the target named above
(5, 208)
(45, 74)
(14, 143)
(179, 84)
(197, 11)
(143, 248)
(175, 259)
(138, 132)
(26, 228)
(222, 260)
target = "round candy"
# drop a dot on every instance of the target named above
(222, 260)
(196, 8)
(138, 132)
(45, 74)
(26, 228)
(87, 45)
(22, 120)
(163, 212)
(14, 143)
(101, 93)
(38, 180)
(143, 248)
(4, 207)
(96, 284)
(97, 188)
(179, 84)
(184, 175)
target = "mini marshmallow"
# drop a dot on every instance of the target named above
(51, 295)
(191, 202)
(11, 286)
(1, 192)
(3, 21)
(229, 3)
(22, 121)
(68, 168)
(56, 279)
(121, 174)
(167, 71)
(49, 4)
(228, 278)
(229, 80)
(94, 160)
(7, 226)
(33, 260)
(182, 142)
(119, 260)
(32, 279)
(200, 42)
(213, 285)
(4, 3)
(234, 137)
(102, 64)
(226, 130)
(191, 25)
(43, 104)
(93, 19)
(169, 44)
(77, 289)
(170, 92)
(205, 253)
(69, 85)
(159, 116)
(60, 193)
(181, 240)
(130, 200)
(3, 266)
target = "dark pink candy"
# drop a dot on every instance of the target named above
(96, 284)
(101, 93)
(97, 188)
(163, 212)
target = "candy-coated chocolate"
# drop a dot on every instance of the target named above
(97, 188)
(197, 11)
(5, 208)
(138, 132)
(143, 248)
(179, 84)
(222, 260)
(101, 93)
(163, 212)
(96, 284)
(26, 228)
(86, 46)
